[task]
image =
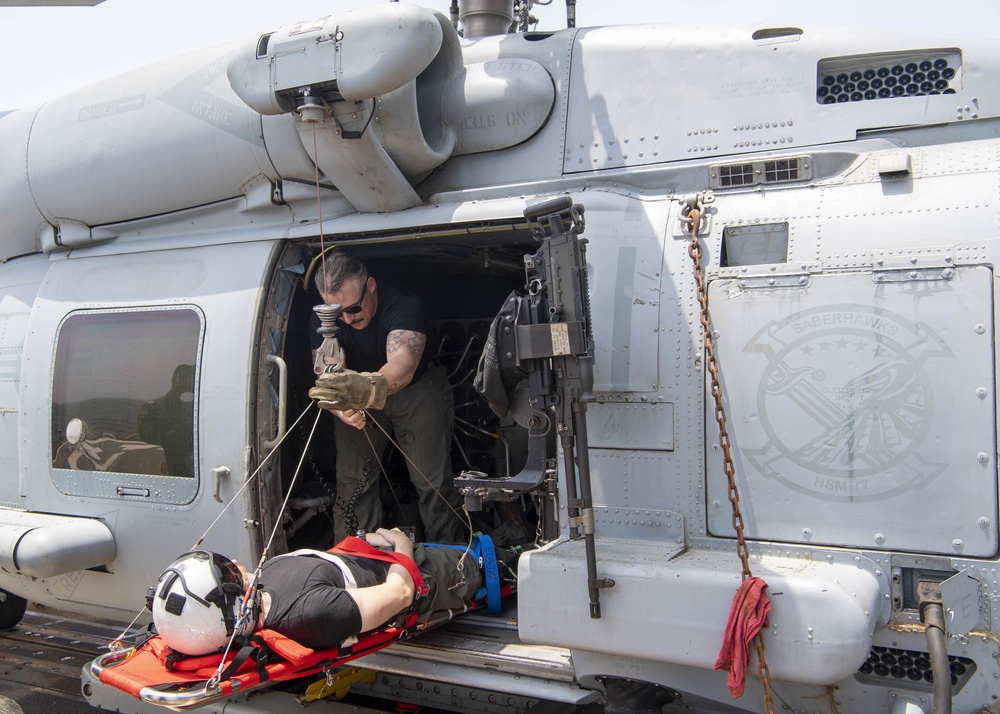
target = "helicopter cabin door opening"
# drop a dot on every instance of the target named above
(462, 274)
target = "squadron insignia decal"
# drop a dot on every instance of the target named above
(857, 435)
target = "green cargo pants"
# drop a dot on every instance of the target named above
(420, 419)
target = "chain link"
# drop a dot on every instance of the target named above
(351, 518)
(729, 466)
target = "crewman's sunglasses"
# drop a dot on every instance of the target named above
(356, 307)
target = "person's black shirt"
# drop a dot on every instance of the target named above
(308, 601)
(398, 309)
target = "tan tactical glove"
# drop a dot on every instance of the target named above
(350, 390)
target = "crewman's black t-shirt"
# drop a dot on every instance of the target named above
(308, 601)
(398, 309)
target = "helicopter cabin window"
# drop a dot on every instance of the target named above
(754, 244)
(124, 391)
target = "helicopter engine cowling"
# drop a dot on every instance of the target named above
(367, 91)
(374, 99)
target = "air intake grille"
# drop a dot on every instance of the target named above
(783, 170)
(889, 76)
(911, 668)
(758, 172)
(736, 175)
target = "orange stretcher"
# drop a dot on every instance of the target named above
(156, 674)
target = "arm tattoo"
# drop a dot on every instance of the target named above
(412, 341)
(393, 342)
(416, 344)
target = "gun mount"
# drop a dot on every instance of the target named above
(545, 337)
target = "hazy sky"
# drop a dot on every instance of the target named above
(51, 50)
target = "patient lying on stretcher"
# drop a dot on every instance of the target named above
(320, 600)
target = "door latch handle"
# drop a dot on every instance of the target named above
(219, 472)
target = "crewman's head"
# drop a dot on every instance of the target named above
(343, 280)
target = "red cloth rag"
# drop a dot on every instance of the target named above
(747, 615)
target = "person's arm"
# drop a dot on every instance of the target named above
(380, 603)
(403, 350)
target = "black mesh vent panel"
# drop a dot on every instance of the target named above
(889, 76)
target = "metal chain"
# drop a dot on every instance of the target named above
(348, 508)
(712, 363)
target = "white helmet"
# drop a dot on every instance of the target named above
(196, 603)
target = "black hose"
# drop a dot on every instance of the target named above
(933, 617)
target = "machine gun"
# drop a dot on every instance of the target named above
(545, 339)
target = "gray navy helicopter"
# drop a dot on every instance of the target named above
(755, 338)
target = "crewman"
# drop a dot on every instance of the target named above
(388, 379)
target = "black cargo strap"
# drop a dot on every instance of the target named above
(256, 651)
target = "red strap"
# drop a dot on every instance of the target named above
(176, 661)
(356, 546)
(284, 647)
